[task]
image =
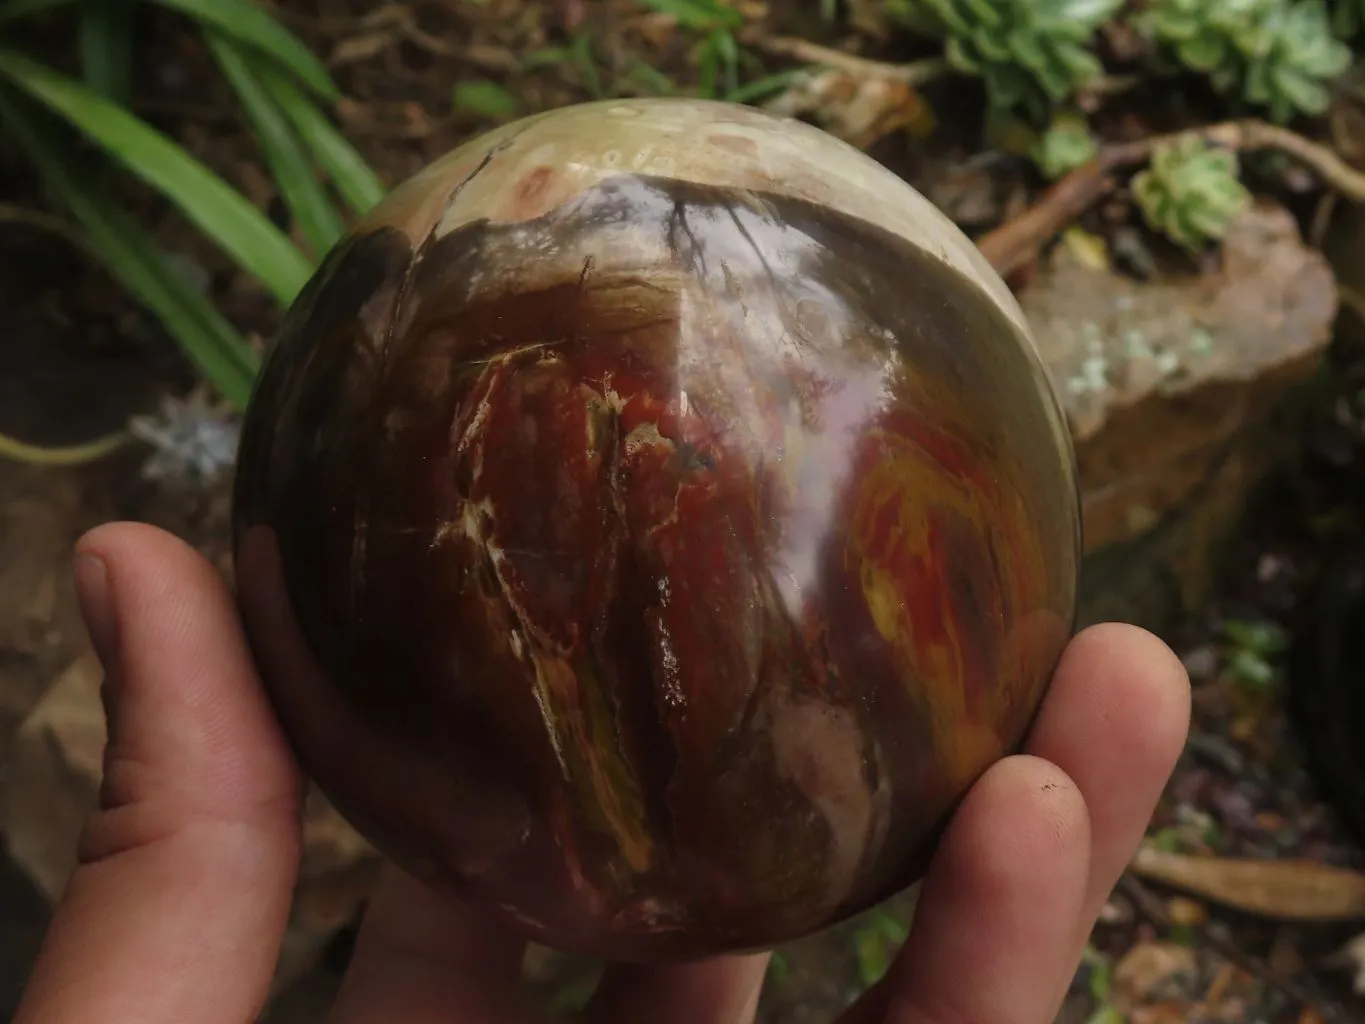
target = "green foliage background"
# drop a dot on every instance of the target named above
(285, 92)
(1034, 58)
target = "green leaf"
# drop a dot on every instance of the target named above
(547, 57)
(484, 99)
(131, 256)
(708, 69)
(1028, 50)
(1092, 12)
(210, 203)
(697, 14)
(1304, 92)
(766, 86)
(307, 199)
(875, 944)
(357, 182)
(252, 24)
(1252, 669)
(995, 49)
(1203, 52)
(988, 14)
(649, 80)
(727, 51)
(586, 62)
(106, 35)
(959, 57)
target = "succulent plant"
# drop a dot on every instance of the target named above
(1066, 145)
(1190, 192)
(1030, 53)
(1277, 54)
(1210, 36)
(1300, 57)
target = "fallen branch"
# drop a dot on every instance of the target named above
(1281, 890)
(1016, 242)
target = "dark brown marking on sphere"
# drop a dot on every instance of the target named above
(661, 570)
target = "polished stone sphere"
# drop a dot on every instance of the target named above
(650, 521)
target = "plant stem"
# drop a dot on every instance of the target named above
(12, 213)
(66, 455)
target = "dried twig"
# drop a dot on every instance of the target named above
(1016, 242)
(914, 73)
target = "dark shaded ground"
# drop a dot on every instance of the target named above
(75, 358)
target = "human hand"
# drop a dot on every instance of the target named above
(180, 903)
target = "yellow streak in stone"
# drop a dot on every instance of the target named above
(469, 524)
(966, 742)
(542, 690)
(507, 355)
(615, 792)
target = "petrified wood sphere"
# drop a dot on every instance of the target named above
(650, 521)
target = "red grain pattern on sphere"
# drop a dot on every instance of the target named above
(655, 558)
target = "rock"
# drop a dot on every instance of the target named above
(1178, 391)
(53, 776)
(37, 602)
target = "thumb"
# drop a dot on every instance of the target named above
(180, 902)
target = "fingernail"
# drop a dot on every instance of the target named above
(97, 608)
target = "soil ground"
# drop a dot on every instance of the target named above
(76, 358)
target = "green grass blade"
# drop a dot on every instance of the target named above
(132, 257)
(252, 24)
(17, 9)
(354, 179)
(106, 33)
(762, 88)
(222, 213)
(300, 188)
(200, 330)
(586, 61)
(697, 14)
(485, 99)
